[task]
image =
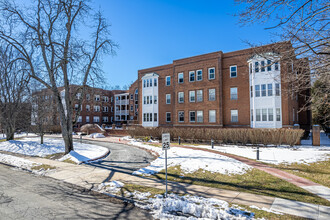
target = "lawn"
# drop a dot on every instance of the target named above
(253, 181)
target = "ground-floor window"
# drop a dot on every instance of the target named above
(234, 115)
(181, 116)
(168, 116)
(212, 116)
(200, 116)
(96, 119)
(192, 116)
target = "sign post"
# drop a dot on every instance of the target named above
(166, 145)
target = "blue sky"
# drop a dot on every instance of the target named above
(155, 32)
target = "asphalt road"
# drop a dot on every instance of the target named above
(122, 158)
(26, 196)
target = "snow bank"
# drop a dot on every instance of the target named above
(32, 147)
(191, 161)
(112, 187)
(96, 135)
(17, 161)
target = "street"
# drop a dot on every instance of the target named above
(26, 196)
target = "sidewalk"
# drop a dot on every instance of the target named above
(90, 177)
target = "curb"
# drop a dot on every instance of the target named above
(98, 158)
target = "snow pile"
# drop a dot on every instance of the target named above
(32, 147)
(191, 161)
(96, 135)
(192, 207)
(111, 187)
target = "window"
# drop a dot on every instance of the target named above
(180, 78)
(191, 96)
(251, 91)
(276, 66)
(88, 97)
(88, 108)
(191, 76)
(256, 67)
(96, 119)
(181, 116)
(262, 66)
(151, 99)
(155, 99)
(144, 117)
(147, 82)
(211, 73)
(258, 116)
(106, 98)
(233, 71)
(181, 97)
(96, 108)
(144, 83)
(250, 68)
(148, 100)
(131, 107)
(131, 96)
(168, 81)
(97, 97)
(105, 119)
(168, 98)
(277, 89)
(155, 82)
(192, 116)
(257, 87)
(278, 114)
(234, 115)
(212, 116)
(79, 119)
(269, 65)
(270, 89)
(168, 116)
(270, 114)
(199, 75)
(211, 94)
(87, 118)
(200, 116)
(251, 114)
(105, 108)
(111, 109)
(233, 93)
(263, 89)
(144, 100)
(111, 99)
(199, 95)
(155, 116)
(264, 114)
(78, 96)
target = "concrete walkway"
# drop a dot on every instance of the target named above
(90, 177)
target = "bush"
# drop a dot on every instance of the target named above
(242, 136)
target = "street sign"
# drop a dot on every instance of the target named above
(166, 141)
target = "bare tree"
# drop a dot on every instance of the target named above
(14, 94)
(49, 35)
(306, 25)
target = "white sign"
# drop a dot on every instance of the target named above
(166, 141)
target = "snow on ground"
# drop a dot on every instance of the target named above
(32, 147)
(96, 135)
(191, 161)
(23, 134)
(111, 187)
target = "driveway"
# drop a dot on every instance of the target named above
(122, 158)
(26, 196)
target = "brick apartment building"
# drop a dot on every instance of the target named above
(235, 89)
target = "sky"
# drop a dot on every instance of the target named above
(156, 32)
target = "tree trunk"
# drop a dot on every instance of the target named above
(10, 132)
(41, 138)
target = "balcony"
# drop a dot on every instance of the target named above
(122, 102)
(122, 112)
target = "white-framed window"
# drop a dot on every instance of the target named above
(96, 108)
(144, 100)
(211, 73)
(192, 116)
(105, 99)
(96, 119)
(131, 96)
(211, 94)
(78, 95)
(251, 114)
(181, 97)
(199, 95)
(199, 74)
(168, 117)
(258, 115)
(212, 116)
(251, 91)
(270, 114)
(155, 99)
(150, 82)
(87, 118)
(262, 66)
(105, 108)
(269, 65)
(263, 90)
(105, 119)
(200, 116)
(270, 89)
(80, 119)
(191, 76)
(144, 83)
(257, 88)
(88, 97)
(264, 114)
(277, 66)
(155, 82)
(278, 114)
(250, 68)
(277, 89)
(97, 98)
(233, 71)
(256, 67)
(233, 93)
(151, 99)
(180, 78)
(131, 107)
(192, 96)
(181, 116)
(234, 115)
(155, 117)
(76, 107)
(168, 98)
(168, 81)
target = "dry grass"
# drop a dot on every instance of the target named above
(54, 156)
(69, 161)
(43, 166)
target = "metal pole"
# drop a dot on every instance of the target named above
(166, 172)
(257, 153)
(212, 143)
(179, 140)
